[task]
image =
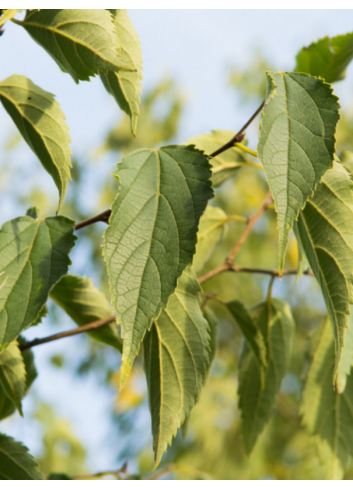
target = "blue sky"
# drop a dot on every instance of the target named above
(197, 48)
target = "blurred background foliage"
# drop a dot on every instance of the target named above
(213, 446)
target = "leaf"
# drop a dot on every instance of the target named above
(41, 122)
(226, 164)
(327, 58)
(346, 159)
(176, 356)
(213, 229)
(7, 15)
(33, 257)
(256, 403)
(212, 320)
(303, 264)
(42, 314)
(324, 232)
(327, 414)
(347, 356)
(13, 374)
(7, 407)
(56, 476)
(82, 41)
(296, 144)
(15, 461)
(250, 330)
(151, 235)
(84, 303)
(123, 85)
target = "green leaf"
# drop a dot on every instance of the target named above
(13, 374)
(328, 57)
(42, 314)
(41, 122)
(296, 144)
(7, 407)
(126, 86)
(213, 229)
(151, 235)
(303, 263)
(84, 303)
(250, 330)
(346, 159)
(327, 414)
(324, 232)
(257, 400)
(56, 477)
(347, 356)
(82, 41)
(226, 164)
(212, 320)
(33, 258)
(15, 461)
(7, 15)
(176, 356)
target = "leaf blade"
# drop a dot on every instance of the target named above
(28, 248)
(81, 41)
(177, 344)
(126, 86)
(84, 303)
(13, 374)
(323, 232)
(41, 122)
(296, 144)
(15, 461)
(157, 232)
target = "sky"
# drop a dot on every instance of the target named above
(197, 49)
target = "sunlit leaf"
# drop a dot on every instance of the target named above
(82, 41)
(13, 374)
(7, 15)
(226, 164)
(84, 303)
(327, 414)
(325, 233)
(151, 235)
(15, 461)
(176, 355)
(296, 144)
(123, 85)
(33, 257)
(328, 57)
(212, 230)
(41, 122)
(257, 398)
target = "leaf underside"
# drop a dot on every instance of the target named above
(84, 303)
(41, 122)
(123, 85)
(324, 232)
(257, 398)
(327, 58)
(327, 414)
(33, 257)
(226, 164)
(15, 461)
(13, 374)
(176, 356)
(82, 41)
(212, 230)
(296, 144)
(151, 235)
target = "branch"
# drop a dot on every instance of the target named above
(239, 135)
(83, 329)
(103, 216)
(232, 267)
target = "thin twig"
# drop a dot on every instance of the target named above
(251, 222)
(83, 329)
(103, 216)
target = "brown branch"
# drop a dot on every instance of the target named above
(239, 135)
(103, 217)
(232, 267)
(83, 329)
(251, 222)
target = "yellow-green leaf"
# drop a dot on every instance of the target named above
(13, 374)
(297, 143)
(15, 461)
(41, 122)
(176, 356)
(123, 85)
(82, 41)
